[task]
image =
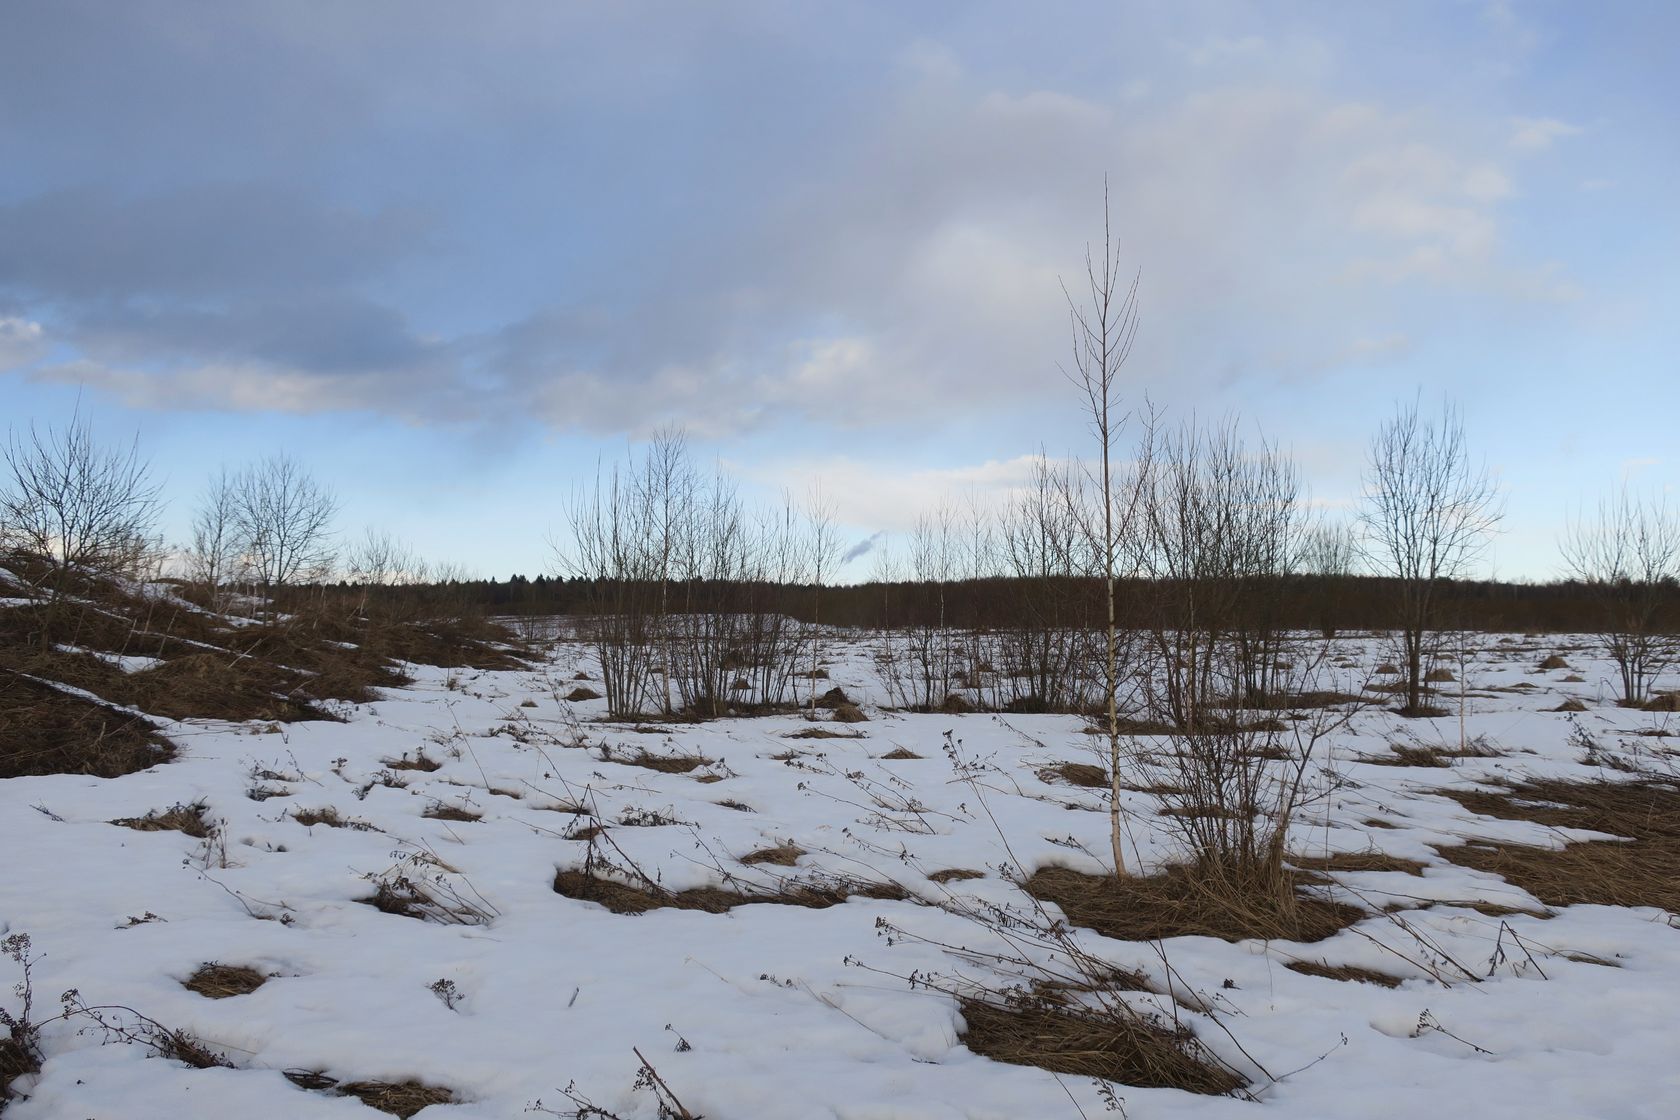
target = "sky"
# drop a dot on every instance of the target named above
(454, 256)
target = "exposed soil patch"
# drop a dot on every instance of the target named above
(220, 981)
(623, 898)
(1178, 904)
(1119, 1046)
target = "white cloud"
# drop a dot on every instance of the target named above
(1536, 134)
(22, 342)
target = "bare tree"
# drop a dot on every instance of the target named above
(1104, 326)
(284, 521)
(1628, 555)
(1427, 513)
(823, 553)
(78, 508)
(216, 558)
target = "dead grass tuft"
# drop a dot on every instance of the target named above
(1346, 972)
(818, 732)
(1554, 662)
(399, 1098)
(1643, 870)
(814, 893)
(220, 981)
(580, 694)
(1436, 756)
(1357, 861)
(330, 817)
(900, 755)
(187, 819)
(1179, 903)
(782, 855)
(955, 875)
(421, 761)
(1076, 774)
(451, 813)
(1117, 1046)
(44, 730)
(665, 763)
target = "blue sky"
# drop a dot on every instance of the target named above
(451, 255)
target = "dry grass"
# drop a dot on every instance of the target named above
(664, 763)
(900, 755)
(399, 1098)
(1554, 662)
(46, 731)
(220, 981)
(782, 855)
(623, 898)
(1075, 774)
(580, 694)
(1346, 972)
(1357, 861)
(451, 813)
(820, 732)
(1180, 903)
(1116, 1046)
(1643, 870)
(187, 819)
(955, 875)
(1421, 754)
(329, 816)
(421, 761)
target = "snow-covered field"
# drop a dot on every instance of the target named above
(781, 1011)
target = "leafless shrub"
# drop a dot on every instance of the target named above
(1427, 514)
(1628, 555)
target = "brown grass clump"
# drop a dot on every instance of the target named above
(1357, 861)
(1117, 1046)
(187, 819)
(782, 855)
(1418, 754)
(955, 875)
(330, 817)
(421, 761)
(44, 730)
(1076, 774)
(1386, 669)
(1440, 676)
(399, 1098)
(1643, 870)
(623, 898)
(665, 763)
(1570, 705)
(1346, 972)
(819, 732)
(451, 813)
(1662, 702)
(1554, 662)
(900, 755)
(580, 694)
(849, 713)
(1178, 903)
(220, 981)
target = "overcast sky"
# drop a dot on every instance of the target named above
(449, 255)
